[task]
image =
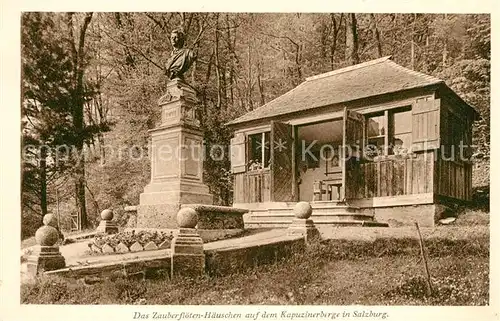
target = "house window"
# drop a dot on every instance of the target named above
(400, 121)
(375, 134)
(259, 152)
(389, 132)
(456, 135)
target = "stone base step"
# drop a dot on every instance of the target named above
(316, 214)
(285, 223)
(316, 218)
(324, 213)
(326, 208)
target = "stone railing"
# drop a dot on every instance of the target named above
(131, 241)
(186, 255)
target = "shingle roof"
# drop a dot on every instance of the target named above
(374, 77)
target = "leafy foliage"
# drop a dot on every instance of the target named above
(55, 93)
(244, 60)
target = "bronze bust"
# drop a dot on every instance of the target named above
(180, 59)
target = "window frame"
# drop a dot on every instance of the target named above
(389, 133)
(382, 114)
(263, 152)
(392, 128)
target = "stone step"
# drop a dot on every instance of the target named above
(286, 223)
(316, 211)
(325, 208)
(314, 217)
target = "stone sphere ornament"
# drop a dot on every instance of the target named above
(50, 220)
(302, 210)
(187, 217)
(46, 236)
(107, 214)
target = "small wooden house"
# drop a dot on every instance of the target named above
(367, 144)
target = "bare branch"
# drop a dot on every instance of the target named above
(156, 21)
(281, 37)
(134, 49)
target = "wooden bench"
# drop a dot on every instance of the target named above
(325, 186)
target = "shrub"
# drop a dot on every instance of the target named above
(45, 290)
(448, 290)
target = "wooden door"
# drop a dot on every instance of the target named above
(353, 135)
(283, 187)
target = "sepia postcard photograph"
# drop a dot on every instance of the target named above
(326, 163)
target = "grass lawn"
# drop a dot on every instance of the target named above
(385, 271)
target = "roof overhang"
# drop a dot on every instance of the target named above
(252, 122)
(463, 103)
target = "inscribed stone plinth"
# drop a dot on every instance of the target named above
(176, 160)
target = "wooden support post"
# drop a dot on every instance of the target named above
(424, 259)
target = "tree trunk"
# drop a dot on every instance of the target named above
(351, 53)
(217, 62)
(249, 78)
(336, 29)
(80, 197)
(412, 54)
(445, 46)
(259, 82)
(412, 48)
(78, 97)
(376, 33)
(43, 180)
(231, 50)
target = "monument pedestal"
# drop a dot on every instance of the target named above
(177, 154)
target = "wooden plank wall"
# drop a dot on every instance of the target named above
(398, 176)
(252, 187)
(454, 179)
(386, 177)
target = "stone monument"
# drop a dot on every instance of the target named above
(177, 149)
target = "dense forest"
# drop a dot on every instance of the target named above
(91, 81)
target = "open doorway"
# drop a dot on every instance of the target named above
(318, 158)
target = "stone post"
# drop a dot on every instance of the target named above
(46, 256)
(302, 224)
(51, 220)
(107, 225)
(188, 258)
